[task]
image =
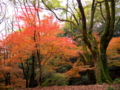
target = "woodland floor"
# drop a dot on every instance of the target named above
(81, 87)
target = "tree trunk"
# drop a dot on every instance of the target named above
(106, 76)
(7, 78)
(25, 73)
(97, 65)
(100, 61)
(40, 68)
(32, 76)
(101, 69)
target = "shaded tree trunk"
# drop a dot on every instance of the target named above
(25, 74)
(40, 68)
(32, 75)
(106, 76)
(99, 54)
(97, 65)
(100, 60)
(7, 78)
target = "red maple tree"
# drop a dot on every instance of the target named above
(38, 38)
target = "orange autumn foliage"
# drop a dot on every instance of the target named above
(41, 35)
(77, 67)
(114, 47)
(113, 51)
(34, 35)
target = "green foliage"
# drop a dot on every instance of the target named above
(46, 73)
(84, 79)
(63, 69)
(117, 80)
(110, 88)
(55, 79)
(53, 3)
(12, 88)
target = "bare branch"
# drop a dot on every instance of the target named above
(64, 20)
(93, 8)
(101, 10)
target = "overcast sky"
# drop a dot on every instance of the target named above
(7, 7)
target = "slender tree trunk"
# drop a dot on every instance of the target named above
(25, 74)
(7, 78)
(37, 36)
(32, 76)
(40, 69)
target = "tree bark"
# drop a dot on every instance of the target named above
(40, 69)
(7, 78)
(32, 76)
(25, 74)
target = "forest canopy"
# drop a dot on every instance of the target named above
(53, 42)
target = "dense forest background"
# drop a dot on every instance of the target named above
(59, 43)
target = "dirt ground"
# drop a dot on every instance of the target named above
(81, 87)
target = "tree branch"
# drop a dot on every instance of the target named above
(64, 20)
(93, 8)
(101, 10)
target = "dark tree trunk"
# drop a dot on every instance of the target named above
(32, 75)
(40, 69)
(7, 78)
(25, 74)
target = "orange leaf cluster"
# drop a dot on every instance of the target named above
(77, 67)
(41, 35)
(113, 51)
(114, 46)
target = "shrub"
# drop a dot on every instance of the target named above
(110, 88)
(117, 80)
(55, 79)
(12, 88)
